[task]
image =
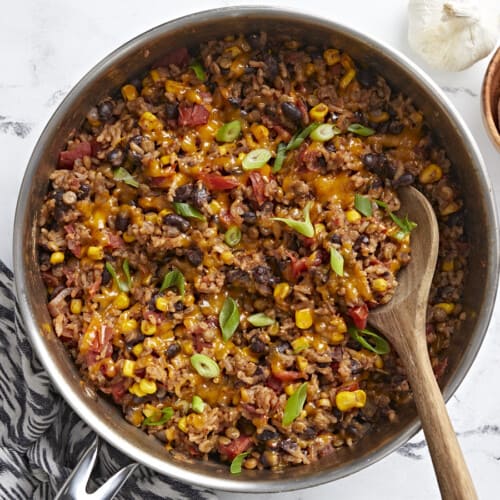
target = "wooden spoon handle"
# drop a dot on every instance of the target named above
(453, 476)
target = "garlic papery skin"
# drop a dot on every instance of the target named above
(452, 35)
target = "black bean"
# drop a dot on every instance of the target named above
(263, 275)
(330, 147)
(309, 433)
(183, 193)
(366, 77)
(194, 255)
(356, 367)
(289, 446)
(105, 277)
(237, 277)
(250, 217)
(234, 101)
(291, 111)
(272, 68)
(137, 140)
(105, 111)
(404, 180)
(135, 158)
(173, 350)
(250, 70)
(395, 127)
(200, 196)
(115, 157)
(122, 221)
(255, 41)
(361, 240)
(336, 238)
(177, 221)
(179, 306)
(257, 346)
(172, 110)
(83, 191)
(267, 434)
(283, 347)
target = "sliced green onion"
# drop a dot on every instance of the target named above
(237, 462)
(198, 70)
(120, 174)
(122, 286)
(357, 128)
(260, 319)
(370, 340)
(205, 366)
(363, 204)
(186, 210)
(167, 414)
(324, 132)
(229, 318)
(232, 236)
(295, 404)
(256, 158)
(336, 261)
(301, 136)
(304, 227)
(126, 270)
(229, 132)
(381, 204)
(406, 225)
(174, 278)
(280, 157)
(197, 404)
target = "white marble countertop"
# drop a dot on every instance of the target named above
(48, 46)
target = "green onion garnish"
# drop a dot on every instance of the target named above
(122, 286)
(174, 278)
(336, 261)
(205, 366)
(237, 462)
(357, 128)
(280, 157)
(126, 270)
(405, 224)
(304, 227)
(229, 318)
(198, 70)
(197, 404)
(324, 132)
(229, 132)
(256, 158)
(167, 414)
(260, 319)
(300, 137)
(120, 174)
(232, 236)
(370, 340)
(381, 204)
(186, 210)
(363, 204)
(295, 404)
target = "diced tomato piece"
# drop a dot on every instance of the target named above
(118, 391)
(191, 116)
(115, 241)
(353, 386)
(359, 315)
(275, 384)
(298, 266)
(287, 375)
(67, 158)
(216, 182)
(179, 57)
(258, 187)
(235, 447)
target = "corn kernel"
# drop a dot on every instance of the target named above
(128, 238)
(430, 174)
(182, 424)
(451, 208)
(95, 253)
(187, 347)
(147, 386)
(290, 389)
(318, 112)
(161, 304)
(151, 217)
(347, 400)
(121, 301)
(260, 132)
(155, 75)
(149, 122)
(353, 216)
(347, 78)
(336, 338)
(319, 228)
(281, 291)
(303, 318)
(378, 116)
(310, 69)
(129, 92)
(174, 87)
(245, 398)
(136, 390)
(227, 257)
(188, 300)
(57, 258)
(324, 403)
(447, 307)
(137, 349)
(379, 362)
(147, 328)
(214, 207)
(274, 329)
(379, 285)
(448, 265)
(75, 306)
(170, 434)
(128, 368)
(299, 344)
(302, 363)
(331, 56)
(128, 326)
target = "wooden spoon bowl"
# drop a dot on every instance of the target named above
(403, 322)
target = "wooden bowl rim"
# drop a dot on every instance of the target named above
(490, 96)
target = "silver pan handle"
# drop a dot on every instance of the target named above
(75, 487)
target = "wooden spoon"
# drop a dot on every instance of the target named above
(402, 321)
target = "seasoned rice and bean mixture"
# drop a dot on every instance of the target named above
(215, 235)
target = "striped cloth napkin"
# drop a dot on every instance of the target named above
(41, 438)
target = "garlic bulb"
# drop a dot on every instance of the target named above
(454, 34)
